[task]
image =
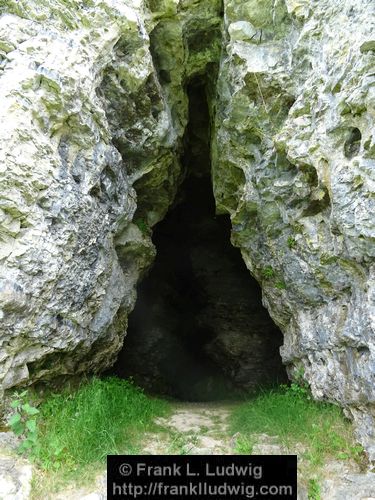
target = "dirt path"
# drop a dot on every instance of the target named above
(192, 429)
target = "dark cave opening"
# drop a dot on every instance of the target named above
(199, 330)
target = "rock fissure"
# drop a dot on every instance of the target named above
(199, 319)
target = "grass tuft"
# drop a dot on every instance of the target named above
(102, 417)
(291, 414)
(314, 490)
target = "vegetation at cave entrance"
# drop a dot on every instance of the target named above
(316, 430)
(78, 429)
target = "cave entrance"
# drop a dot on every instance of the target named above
(199, 331)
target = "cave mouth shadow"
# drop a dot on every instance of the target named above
(199, 331)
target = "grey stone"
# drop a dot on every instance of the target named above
(293, 162)
(67, 273)
(15, 479)
(9, 440)
(350, 487)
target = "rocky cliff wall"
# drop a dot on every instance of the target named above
(94, 109)
(93, 112)
(294, 158)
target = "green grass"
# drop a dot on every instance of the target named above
(291, 242)
(244, 445)
(314, 492)
(268, 272)
(280, 285)
(294, 417)
(180, 443)
(103, 416)
(316, 431)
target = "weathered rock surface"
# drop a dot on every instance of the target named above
(350, 487)
(72, 88)
(93, 111)
(15, 473)
(88, 114)
(294, 158)
(15, 479)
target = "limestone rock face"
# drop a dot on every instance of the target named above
(294, 159)
(66, 199)
(92, 121)
(93, 113)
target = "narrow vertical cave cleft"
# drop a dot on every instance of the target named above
(199, 330)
